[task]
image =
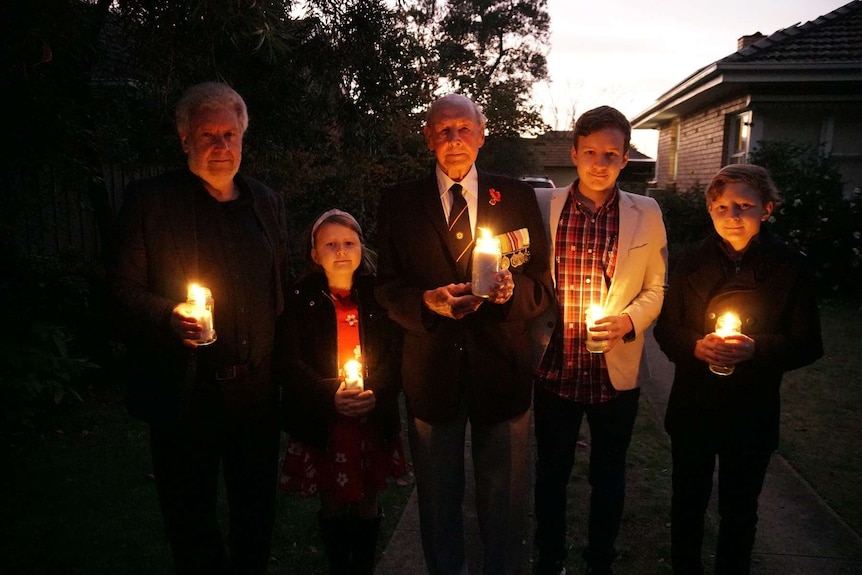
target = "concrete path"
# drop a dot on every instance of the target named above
(798, 534)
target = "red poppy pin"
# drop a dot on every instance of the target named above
(495, 197)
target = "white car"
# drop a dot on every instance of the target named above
(539, 181)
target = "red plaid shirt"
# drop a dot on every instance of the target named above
(585, 255)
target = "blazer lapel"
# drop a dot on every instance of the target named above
(629, 220)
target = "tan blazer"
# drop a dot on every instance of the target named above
(639, 280)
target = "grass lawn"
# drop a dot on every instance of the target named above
(78, 498)
(821, 415)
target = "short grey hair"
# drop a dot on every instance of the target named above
(480, 114)
(209, 96)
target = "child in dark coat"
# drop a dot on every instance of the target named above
(725, 396)
(340, 373)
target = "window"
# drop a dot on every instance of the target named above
(674, 151)
(739, 138)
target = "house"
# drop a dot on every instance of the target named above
(802, 83)
(553, 152)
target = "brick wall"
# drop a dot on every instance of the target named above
(701, 146)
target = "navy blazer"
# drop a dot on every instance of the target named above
(156, 258)
(484, 357)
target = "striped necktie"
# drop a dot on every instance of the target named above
(460, 234)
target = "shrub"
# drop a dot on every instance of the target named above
(685, 218)
(51, 326)
(815, 216)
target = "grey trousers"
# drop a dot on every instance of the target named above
(502, 471)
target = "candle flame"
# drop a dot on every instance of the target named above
(727, 323)
(352, 370)
(594, 312)
(197, 295)
(486, 233)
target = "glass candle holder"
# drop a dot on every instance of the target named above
(201, 299)
(727, 324)
(486, 263)
(593, 313)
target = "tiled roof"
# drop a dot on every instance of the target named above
(831, 38)
(553, 149)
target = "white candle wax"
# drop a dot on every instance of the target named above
(486, 263)
(202, 300)
(204, 318)
(593, 313)
(353, 375)
(727, 324)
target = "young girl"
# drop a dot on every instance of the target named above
(731, 411)
(343, 423)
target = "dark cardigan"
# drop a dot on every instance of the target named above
(773, 293)
(306, 364)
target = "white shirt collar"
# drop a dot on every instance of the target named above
(470, 183)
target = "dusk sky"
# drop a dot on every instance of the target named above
(627, 53)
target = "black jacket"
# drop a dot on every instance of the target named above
(306, 359)
(773, 293)
(156, 257)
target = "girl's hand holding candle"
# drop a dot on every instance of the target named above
(352, 399)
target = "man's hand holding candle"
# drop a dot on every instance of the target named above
(453, 300)
(184, 324)
(502, 288)
(610, 328)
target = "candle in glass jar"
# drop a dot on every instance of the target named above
(726, 325)
(202, 309)
(593, 313)
(486, 263)
(353, 375)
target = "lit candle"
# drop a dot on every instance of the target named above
(353, 375)
(726, 325)
(486, 263)
(593, 313)
(202, 301)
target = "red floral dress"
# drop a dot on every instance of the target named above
(356, 460)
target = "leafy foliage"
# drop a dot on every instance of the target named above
(815, 216)
(50, 300)
(336, 91)
(492, 51)
(685, 218)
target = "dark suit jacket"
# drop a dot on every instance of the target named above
(772, 292)
(486, 355)
(155, 260)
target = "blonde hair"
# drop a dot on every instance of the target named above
(368, 263)
(755, 176)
